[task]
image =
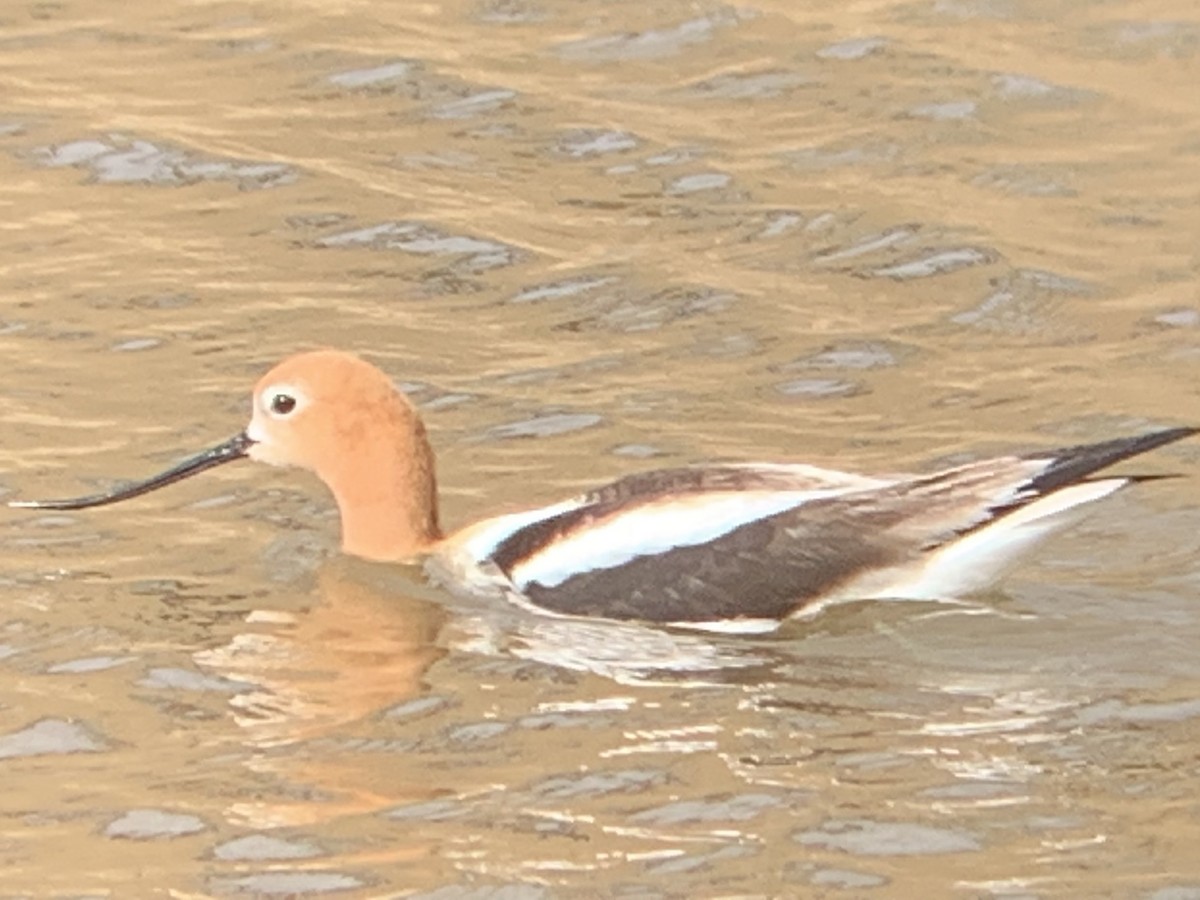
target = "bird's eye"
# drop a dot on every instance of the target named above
(282, 404)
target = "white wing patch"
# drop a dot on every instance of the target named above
(653, 528)
(482, 539)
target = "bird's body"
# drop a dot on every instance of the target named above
(739, 547)
(743, 547)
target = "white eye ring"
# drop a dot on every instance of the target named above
(282, 401)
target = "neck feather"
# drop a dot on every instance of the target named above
(388, 497)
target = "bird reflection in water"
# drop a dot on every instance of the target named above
(317, 676)
(319, 681)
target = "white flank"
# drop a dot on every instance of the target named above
(652, 529)
(975, 561)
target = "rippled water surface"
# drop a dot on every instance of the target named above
(591, 238)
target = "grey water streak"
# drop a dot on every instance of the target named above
(590, 239)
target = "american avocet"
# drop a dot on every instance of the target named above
(738, 547)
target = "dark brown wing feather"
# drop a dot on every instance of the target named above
(765, 569)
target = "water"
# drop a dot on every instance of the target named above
(590, 239)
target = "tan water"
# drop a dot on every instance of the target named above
(592, 238)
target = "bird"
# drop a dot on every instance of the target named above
(737, 547)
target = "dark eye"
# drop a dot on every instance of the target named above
(282, 404)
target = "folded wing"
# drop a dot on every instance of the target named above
(766, 542)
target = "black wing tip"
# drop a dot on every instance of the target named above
(1152, 439)
(1118, 448)
(1070, 464)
